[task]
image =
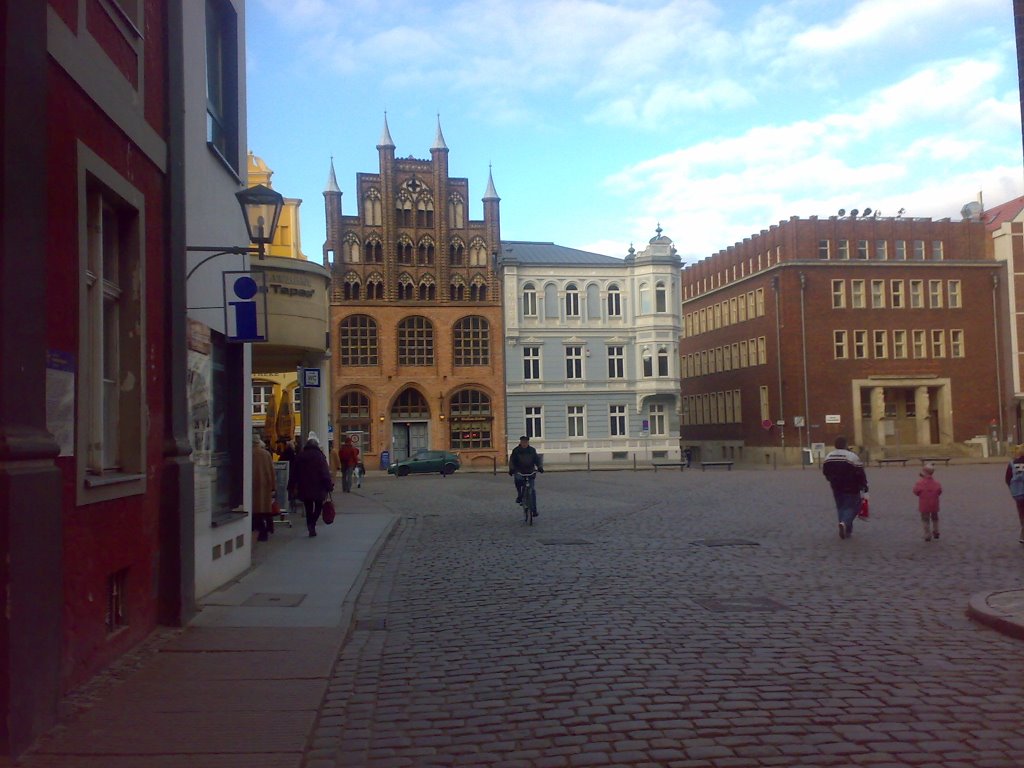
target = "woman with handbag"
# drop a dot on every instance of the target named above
(311, 480)
(263, 488)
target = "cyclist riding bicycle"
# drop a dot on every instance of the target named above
(522, 461)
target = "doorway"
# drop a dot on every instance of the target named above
(407, 438)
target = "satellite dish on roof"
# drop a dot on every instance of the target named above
(853, 213)
(867, 211)
(971, 210)
(842, 211)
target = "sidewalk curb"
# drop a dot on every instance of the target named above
(980, 609)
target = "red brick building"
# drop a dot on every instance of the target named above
(416, 324)
(878, 328)
(95, 484)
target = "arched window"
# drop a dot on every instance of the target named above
(457, 289)
(645, 299)
(456, 253)
(427, 289)
(551, 308)
(372, 208)
(425, 212)
(470, 419)
(354, 416)
(373, 251)
(403, 210)
(405, 288)
(410, 404)
(660, 297)
(456, 211)
(350, 249)
(662, 361)
(357, 340)
(478, 253)
(472, 341)
(415, 341)
(425, 252)
(529, 300)
(350, 291)
(375, 286)
(648, 362)
(405, 250)
(478, 290)
(572, 300)
(614, 301)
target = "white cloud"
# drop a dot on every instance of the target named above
(876, 22)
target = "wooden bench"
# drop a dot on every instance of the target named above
(705, 464)
(936, 459)
(901, 462)
(681, 464)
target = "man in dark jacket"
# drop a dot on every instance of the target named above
(522, 461)
(845, 473)
(311, 480)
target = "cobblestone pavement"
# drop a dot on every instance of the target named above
(681, 619)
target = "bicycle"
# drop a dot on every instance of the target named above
(529, 502)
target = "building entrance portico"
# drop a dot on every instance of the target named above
(905, 412)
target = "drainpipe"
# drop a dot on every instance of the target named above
(803, 343)
(995, 334)
(778, 364)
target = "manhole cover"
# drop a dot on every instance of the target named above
(725, 543)
(564, 542)
(273, 600)
(721, 604)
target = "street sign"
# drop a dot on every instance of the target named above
(310, 377)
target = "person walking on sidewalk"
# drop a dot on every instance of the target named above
(348, 456)
(845, 473)
(263, 489)
(311, 478)
(1015, 481)
(928, 489)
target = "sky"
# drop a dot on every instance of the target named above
(601, 119)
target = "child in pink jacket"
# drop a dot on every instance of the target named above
(928, 489)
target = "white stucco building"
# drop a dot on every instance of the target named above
(592, 351)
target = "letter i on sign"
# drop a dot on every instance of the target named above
(241, 307)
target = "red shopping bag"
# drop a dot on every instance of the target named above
(328, 511)
(864, 514)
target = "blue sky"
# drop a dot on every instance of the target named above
(602, 118)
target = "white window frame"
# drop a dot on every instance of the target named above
(897, 299)
(838, 294)
(617, 421)
(840, 347)
(955, 295)
(935, 294)
(533, 421)
(900, 346)
(616, 361)
(919, 344)
(262, 391)
(917, 294)
(574, 362)
(857, 297)
(572, 300)
(576, 422)
(529, 300)
(531, 363)
(878, 294)
(860, 345)
(614, 301)
(110, 403)
(881, 344)
(938, 342)
(657, 420)
(956, 343)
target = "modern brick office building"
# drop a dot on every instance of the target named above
(415, 317)
(879, 328)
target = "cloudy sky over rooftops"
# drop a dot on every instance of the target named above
(602, 119)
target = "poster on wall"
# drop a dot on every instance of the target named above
(200, 410)
(60, 399)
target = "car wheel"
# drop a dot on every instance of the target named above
(448, 469)
(402, 471)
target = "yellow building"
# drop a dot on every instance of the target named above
(296, 309)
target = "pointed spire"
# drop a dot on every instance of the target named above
(490, 194)
(439, 139)
(385, 136)
(332, 180)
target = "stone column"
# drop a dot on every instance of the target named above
(878, 414)
(921, 422)
(316, 401)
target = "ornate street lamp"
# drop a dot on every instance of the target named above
(261, 208)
